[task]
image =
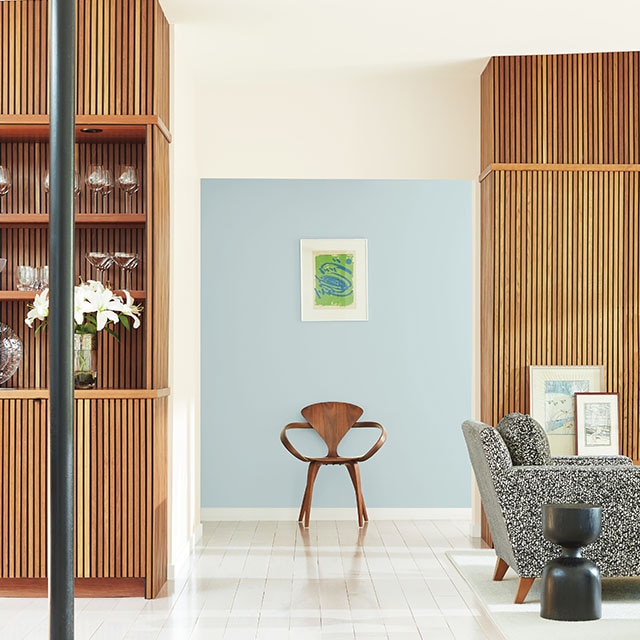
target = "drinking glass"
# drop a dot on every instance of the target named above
(100, 261)
(5, 183)
(107, 187)
(41, 280)
(95, 180)
(129, 182)
(25, 277)
(76, 183)
(127, 262)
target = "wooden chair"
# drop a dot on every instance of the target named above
(332, 420)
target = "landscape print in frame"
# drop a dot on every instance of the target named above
(552, 392)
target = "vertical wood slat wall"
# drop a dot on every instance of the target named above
(121, 67)
(121, 474)
(112, 476)
(560, 196)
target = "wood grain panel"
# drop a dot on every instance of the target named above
(122, 57)
(120, 467)
(581, 108)
(23, 445)
(158, 296)
(560, 233)
(564, 267)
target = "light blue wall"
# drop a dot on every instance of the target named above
(409, 365)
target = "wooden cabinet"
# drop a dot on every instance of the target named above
(121, 431)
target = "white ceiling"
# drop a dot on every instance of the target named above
(236, 37)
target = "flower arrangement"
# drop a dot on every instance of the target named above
(96, 307)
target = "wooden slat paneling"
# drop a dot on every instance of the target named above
(560, 235)
(158, 297)
(119, 485)
(564, 266)
(581, 108)
(23, 445)
(122, 67)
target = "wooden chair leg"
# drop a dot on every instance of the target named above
(354, 472)
(500, 570)
(524, 585)
(305, 509)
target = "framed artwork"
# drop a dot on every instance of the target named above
(552, 404)
(596, 424)
(333, 278)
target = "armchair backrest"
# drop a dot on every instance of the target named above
(489, 458)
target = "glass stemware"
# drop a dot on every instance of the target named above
(127, 262)
(76, 183)
(107, 187)
(5, 183)
(100, 261)
(95, 180)
(129, 182)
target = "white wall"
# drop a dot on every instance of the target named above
(346, 125)
(415, 124)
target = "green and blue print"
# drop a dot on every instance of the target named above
(333, 273)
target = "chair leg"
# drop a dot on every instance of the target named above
(354, 472)
(524, 585)
(500, 570)
(305, 509)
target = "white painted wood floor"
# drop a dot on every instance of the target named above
(277, 581)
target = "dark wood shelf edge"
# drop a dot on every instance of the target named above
(11, 294)
(43, 121)
(43, 393)
(84, 587)
(81, 219)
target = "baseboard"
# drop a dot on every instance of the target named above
(183, 556)
(320, 513)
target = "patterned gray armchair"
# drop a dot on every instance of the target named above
(516, 475)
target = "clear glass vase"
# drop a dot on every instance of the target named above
(85, 362)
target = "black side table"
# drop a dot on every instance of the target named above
(571, 585)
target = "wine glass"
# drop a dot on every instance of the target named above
(100, 261)
(107, 187)
(129, 182)
(5, 183)
(127, 262)
(95, 180)
(76, 183)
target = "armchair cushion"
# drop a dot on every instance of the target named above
(526, 439)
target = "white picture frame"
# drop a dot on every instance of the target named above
(551, 401)
(597, 424)
(333, 279)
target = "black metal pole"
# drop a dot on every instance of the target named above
(61, 406)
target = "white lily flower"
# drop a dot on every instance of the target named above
(95, 307)
(40, 308)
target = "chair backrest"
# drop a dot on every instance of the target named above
(489, 458)
(332, 420)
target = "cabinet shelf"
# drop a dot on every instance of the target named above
(128, 128)
(42, 393)
(14, 294)
(81, 219)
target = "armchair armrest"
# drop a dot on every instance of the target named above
(600, 484)
(287, 443)
(591, 460)
(379, 442)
